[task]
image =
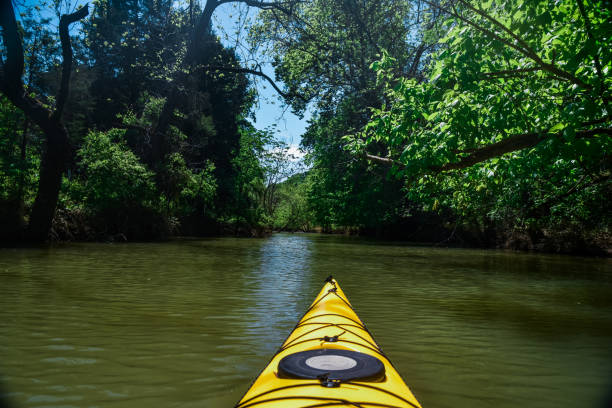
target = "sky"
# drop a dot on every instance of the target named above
(270, 109)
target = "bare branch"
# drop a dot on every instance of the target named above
(383, 160)
(204, 21)
(65, 21)
(260, 74)
(265, 5)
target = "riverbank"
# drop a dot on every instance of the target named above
(79, 226)
(569, 241)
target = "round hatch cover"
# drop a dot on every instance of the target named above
(330, 362)
(336, 364)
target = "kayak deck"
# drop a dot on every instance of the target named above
(330, 324)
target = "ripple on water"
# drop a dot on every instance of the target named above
(69, 361)
(37, 399)
(60, 347)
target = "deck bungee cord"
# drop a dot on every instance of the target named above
(329, 359)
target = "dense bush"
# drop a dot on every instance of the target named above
(112, 177)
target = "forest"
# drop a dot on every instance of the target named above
(451, 122)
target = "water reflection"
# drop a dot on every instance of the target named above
(278, 299)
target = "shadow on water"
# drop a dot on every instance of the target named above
(5, 401)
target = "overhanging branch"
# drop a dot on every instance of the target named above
(508, 73)
(260, 74)
(512, 144)
(508, 145)
(383, 160)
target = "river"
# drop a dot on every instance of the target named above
(190, 323)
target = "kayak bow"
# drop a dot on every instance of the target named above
(329, 359)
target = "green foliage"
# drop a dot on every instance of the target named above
(186, 190)
(252, 174)
(323, 52)
(129, 62)
(513, 123)
(19, 162)
(113, 179)
(18, 167)
(504, 121)
(134, 46)
(347, 192)
(268, 194)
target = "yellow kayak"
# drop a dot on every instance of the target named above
(329, 360)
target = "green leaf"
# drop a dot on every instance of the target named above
(558, 127)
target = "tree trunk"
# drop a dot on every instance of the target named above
(23, 168)
(52, 167)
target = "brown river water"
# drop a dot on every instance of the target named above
(190, 323)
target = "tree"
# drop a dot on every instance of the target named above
(133, 47)
(323, 51)
(278, 164)
(49, 120)
(114, 180)
(196, 58)
(250, 175)
(178, 58)
(513, 121)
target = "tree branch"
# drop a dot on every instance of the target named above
(264, 5)
(383, 160)
(204, 22)
(511, 144)
(528, 52)
(65, 21)
(508, 145)
(260, 74)
(132, 127)
(417, 59)
(509, 72)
